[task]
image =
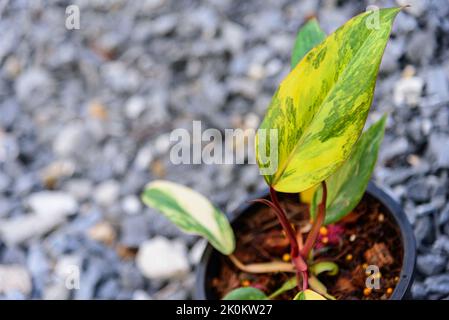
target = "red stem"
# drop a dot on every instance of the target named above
(305, 281)
(300, 274)
(294, 251)
(291, 235)
(313, 234)
(297, 259)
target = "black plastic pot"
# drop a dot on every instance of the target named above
(209, 265)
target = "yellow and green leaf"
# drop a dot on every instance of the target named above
(317, 286)
(308, 295)
(331, 268)
(320, 108)
(286, 286)
(307, 38)
(306, 196)
(191, 212)
(246, 293)
(348, 184)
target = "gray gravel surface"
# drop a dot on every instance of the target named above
(85, 119)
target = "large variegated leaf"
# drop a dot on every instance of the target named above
(191, 212)
(320, 108)
(246, 293)
(348, 184)
(308, 37)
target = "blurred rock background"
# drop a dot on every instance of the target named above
(85, 118)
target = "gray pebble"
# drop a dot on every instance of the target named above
(431, 264)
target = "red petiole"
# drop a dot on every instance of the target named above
(319, 220)
(298, 256)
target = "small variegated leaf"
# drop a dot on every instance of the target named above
(191, 212)
(320, 108)
(309, 35)
(308, 295)
(287, 286)
(324, 266)
(246, 293)
(317, 286)
(348, 184)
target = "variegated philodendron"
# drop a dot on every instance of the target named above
(318, 111)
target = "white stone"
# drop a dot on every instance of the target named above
(50, 209)
(408, 91)
(81, 189)
(120, 77)
(197, 250)
(256, 71)
(71, 140)
(161, 259)
(107, 192)
(251, 121)
(426, 126)
(149, 6)
(415, 7)
(52, 203)
(234, 36)
(134, 107)
(131, 204)
(141, 295)
(14, 278)
(144, 158)
(19, 229)
(162, 144)
(66, 265)
(56, 291)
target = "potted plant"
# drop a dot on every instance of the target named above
(321, 231)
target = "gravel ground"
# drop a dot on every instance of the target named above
(86, 116)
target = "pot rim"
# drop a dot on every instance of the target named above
(401, 290)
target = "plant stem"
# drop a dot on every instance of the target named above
(290, 233)
(319, 220)
(305, 281)
(297, 259)
(265, 267)
(299, 241)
